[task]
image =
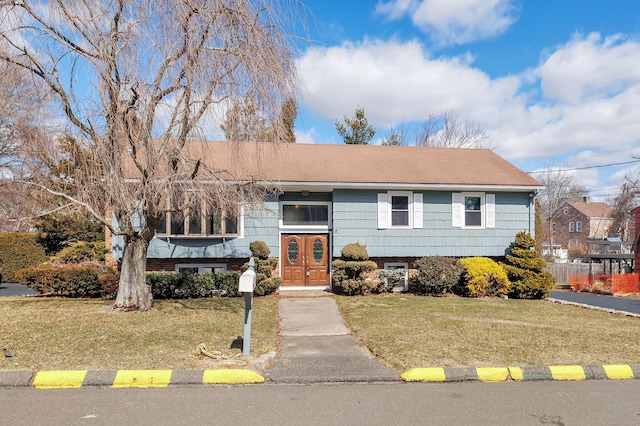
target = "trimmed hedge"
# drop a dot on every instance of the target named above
(264, 267)
(484, 277)
(349, 273)
(19, 250)
(435, 275)
(87, 280)
(185, 285)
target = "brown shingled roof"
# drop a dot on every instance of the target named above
(362, 164)
(592, 208)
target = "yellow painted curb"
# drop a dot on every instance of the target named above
(424, 375)
(618, 371)
(516, 374)
(64, 379)
(231, 377)
(142, 379)
(567, 372)
(492, 374)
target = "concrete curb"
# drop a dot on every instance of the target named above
(73, 379)
(503, 374)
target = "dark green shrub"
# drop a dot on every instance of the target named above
(484, 277)
(354, 251)
(259, 249)
(81, 280)
(526, 269)
(172, 285)
(349, 273)
(19, 250)
(81, 252)
(435, 275)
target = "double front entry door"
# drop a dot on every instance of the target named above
(305, 259)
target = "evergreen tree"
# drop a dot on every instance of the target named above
(526, 270)
(356, 130)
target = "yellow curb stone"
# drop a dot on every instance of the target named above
(567, 372)
(63, 379)
(424, 375)
(516, 373)
(142, 379)
(231, 377)
(618, 371)
(492, 374)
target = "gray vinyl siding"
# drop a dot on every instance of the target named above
(355, 220)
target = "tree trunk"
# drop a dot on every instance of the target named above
(133, 292)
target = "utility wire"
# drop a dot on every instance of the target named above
(586, 167)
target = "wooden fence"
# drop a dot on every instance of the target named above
(562, 271)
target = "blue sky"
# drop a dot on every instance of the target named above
(555, 82)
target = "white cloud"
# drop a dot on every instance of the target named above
(454, 21)
(399, 82)
(590, 67)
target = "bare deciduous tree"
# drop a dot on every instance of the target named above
(448, 130)
(623, 204)
(558, 188)
(136, 82)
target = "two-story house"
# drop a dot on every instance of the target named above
(575, 222)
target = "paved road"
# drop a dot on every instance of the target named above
(609, 302)
(7, 289)
(590, 402)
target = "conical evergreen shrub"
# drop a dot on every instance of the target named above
(526, 269)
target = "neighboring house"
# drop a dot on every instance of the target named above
(401, 202)
(574, 223)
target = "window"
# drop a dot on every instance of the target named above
(193, 222)
(202, 268)
(308, 215)
(553, 227)
(578, 226)
(399, 266)
(566, 209)
(473, 210)
(572, 227)
(400, 210)
(305, 215)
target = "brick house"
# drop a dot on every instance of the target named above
(575, 222)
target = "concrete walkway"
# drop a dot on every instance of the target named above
(316, 346)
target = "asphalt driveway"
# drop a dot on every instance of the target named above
(8, 289)
(609, 302)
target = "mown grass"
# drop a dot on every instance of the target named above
(90, 334)
(415, 331)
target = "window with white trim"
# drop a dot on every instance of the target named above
(566, 209)
(206, 268)
(578, 226)
(400, 209)
(473, 210)
(572, 227)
